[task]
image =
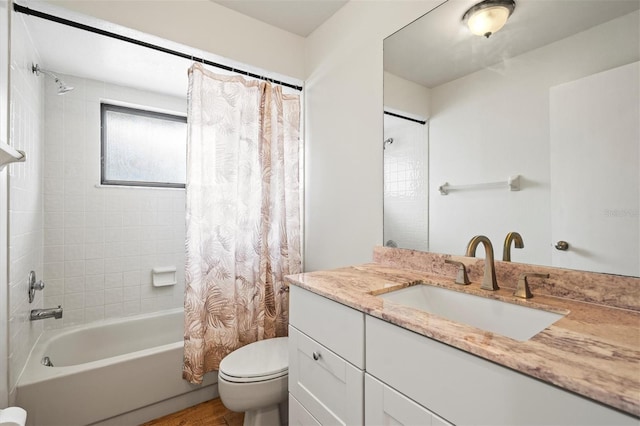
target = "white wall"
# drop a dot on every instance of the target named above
(407, 96)
(100, 244)
(25, 198)
(204, 25)
(344, 130)
(506, 114)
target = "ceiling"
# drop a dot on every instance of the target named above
(438, 48)
(67, 50)
(300, 17)
(411, 53)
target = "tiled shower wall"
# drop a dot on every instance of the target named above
(406, 178)
(101, 243)
(25, 198)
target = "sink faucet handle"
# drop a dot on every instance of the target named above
(462, 277)
(522, 289)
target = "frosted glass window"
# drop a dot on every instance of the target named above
(143, 148)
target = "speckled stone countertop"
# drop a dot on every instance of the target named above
(594, 350)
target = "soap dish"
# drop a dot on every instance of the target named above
(164, 276)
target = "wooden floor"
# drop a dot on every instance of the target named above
(210, 413)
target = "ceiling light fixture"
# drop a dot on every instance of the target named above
(488, 16)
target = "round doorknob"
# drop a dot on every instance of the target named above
(562, 245)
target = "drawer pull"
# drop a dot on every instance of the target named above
(316, 356)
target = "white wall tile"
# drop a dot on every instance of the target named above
(74, 284)
(131, 293)
(74, 219)
(94, 219)
(94, 266)
(93, 251)
(53, 236)
(94, 282)
(113, 280)
(113, 310)
(94, 313)
(74, 252)
(113, 235)
(94, 298)
(131, 278)
(54, 186)
(73, 301)
(94, 236)
(73, 186)
(72, 317)
(101, 243)
(113, 264)
(74, 235)
(55, 287)
(132, 307)
(54, 270)
(74, 268)
(53, 220)
(26, 202)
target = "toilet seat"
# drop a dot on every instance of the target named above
(256, 362)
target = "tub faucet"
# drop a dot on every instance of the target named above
(517, 243)
(489, 280)
(38, 314)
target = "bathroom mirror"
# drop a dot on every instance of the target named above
(533, 129)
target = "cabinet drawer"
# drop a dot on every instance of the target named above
(330, 388)
(298, 416)
(336, 326)
(385, 406)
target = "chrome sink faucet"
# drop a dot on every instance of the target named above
(38, 314)
(517, 243)
(489, 280)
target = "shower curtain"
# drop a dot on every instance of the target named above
(243, 215)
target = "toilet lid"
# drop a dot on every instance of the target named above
(261, 360)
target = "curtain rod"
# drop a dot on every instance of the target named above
(53, 18)
(415, 120)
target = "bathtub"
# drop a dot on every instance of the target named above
(114, 372)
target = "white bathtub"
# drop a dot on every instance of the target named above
(120, 372)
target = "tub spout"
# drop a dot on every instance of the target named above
(38, 314)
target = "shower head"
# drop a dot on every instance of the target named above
(62, 86)
(387, 141)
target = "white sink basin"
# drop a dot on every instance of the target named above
(514, 321)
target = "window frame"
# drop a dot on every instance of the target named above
(105, 107)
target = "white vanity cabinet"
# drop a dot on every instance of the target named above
(411, 379)
(326, 361)
(467, 390)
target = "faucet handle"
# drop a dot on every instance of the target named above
(522, 289)
(34, 285)
(462, 277)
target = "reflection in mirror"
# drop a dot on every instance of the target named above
(552, 97)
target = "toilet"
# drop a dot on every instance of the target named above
(253, 379)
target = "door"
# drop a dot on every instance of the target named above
(595, 200)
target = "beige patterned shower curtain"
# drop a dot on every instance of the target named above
(243, 215)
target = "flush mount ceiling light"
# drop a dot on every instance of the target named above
(487, 17)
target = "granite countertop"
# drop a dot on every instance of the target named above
(594, 350)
